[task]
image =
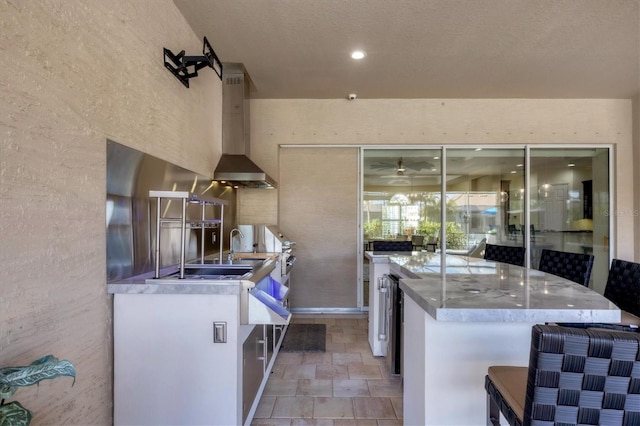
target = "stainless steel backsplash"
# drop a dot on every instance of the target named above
(131, 174)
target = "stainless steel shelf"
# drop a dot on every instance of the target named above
(208, 220)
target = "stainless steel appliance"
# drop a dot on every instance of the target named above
(394, 319)
(266, 239)
(235, 167)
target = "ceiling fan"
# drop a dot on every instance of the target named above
(402, 166)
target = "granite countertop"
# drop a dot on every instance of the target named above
(146, 284)
(476, 290)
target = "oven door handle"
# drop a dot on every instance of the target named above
(383, 289)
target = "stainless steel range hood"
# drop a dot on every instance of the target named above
(235, 167)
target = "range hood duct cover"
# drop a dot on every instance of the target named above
(235, 166)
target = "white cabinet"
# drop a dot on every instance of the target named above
(169, 371)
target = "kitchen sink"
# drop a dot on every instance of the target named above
(219, 270)
(212, 269)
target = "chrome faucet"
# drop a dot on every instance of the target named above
(230, 255)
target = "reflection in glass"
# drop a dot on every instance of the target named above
(485, 198)
(401, 195)
(563, 205)
(569, 197)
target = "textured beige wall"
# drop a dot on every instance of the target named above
(319, 211)
(445, 121)
(76, 73)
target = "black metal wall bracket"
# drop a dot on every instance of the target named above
(179, 64)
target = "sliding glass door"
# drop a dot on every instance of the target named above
(569, 204)
(485, 198)
(530, 196)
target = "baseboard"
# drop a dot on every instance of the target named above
(341, 311)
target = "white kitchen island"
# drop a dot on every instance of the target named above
(193, 351)
(472, 314)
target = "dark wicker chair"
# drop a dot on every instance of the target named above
(623, 286)
(572, 266)
(506, 254)
(623, 289)
(575, 377)
(392, 246)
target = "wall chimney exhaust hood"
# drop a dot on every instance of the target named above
(235, 167)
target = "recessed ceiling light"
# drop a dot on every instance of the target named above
(513, 172)
(478, 149)
(519, 165)
(571, 164)
(436, 158)
(358, 54)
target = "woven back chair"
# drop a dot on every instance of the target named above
(623, 289)
(623, 286)
(506, 254)
(572, 266)
(574, 377)
(392, 246)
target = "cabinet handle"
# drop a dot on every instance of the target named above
(219, 332)
(382, 303)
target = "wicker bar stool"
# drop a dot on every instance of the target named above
(575, 377)
(572, 266)
(506, 254)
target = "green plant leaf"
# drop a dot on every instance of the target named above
(7, 392)
(47, 367)
(14, 414)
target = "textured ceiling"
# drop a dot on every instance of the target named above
(427, 48)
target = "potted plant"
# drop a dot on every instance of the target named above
(47, 367)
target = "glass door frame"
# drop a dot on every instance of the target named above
(443, 172)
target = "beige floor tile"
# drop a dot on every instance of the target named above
(350, 388)
(354, 329)
(386, 387)
(277, 371)
(368, 358)
(334, 347)
(397, 406)
(342, 338)
(362, 347)
(293, 407)
(289, 358)
(354, 422)
(389, 422)
(271, 422)
(333, 328)
(346, 358)
(344, 386)
(373, 408)
(302, 371)
(385, 370)
(314, 387)
(364, 338)
(265, 407)
(312, 422)
(316, 358)
(364, 371)
(281, 387)
(330, 371)
(333, 408)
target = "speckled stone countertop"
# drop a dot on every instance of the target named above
(476, 290)
(146, 284)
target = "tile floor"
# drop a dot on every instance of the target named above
(344, 386)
